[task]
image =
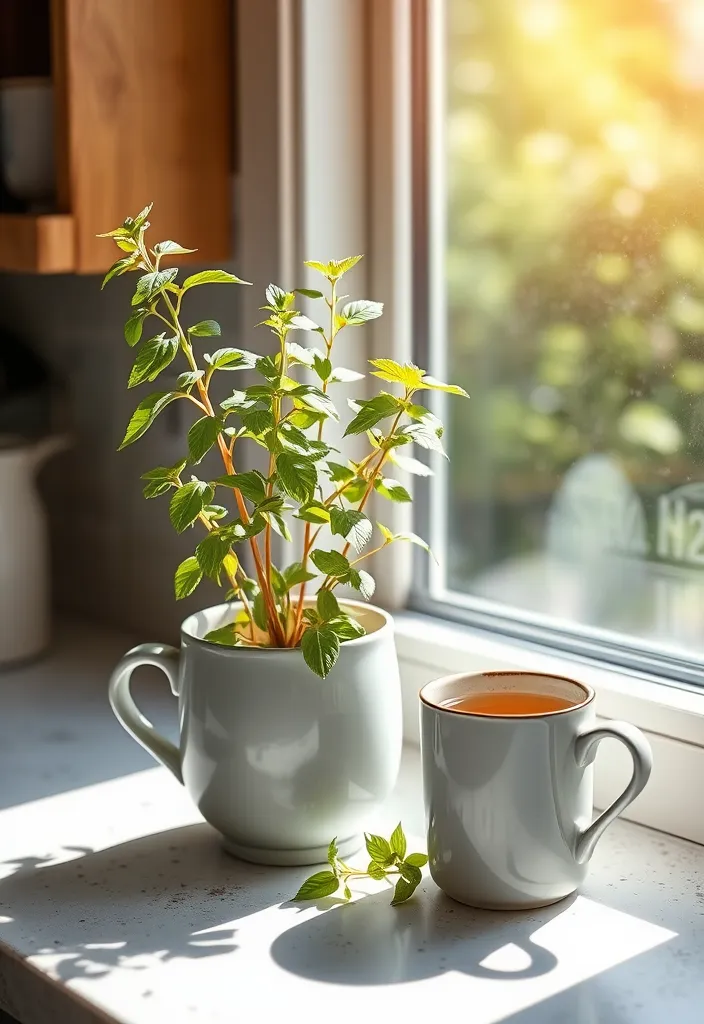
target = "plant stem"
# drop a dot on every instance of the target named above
(262, 577)
(307, 542)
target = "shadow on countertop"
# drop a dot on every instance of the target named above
(167, 895)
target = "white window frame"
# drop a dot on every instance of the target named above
(363, 93)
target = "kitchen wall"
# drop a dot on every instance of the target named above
(113, 552)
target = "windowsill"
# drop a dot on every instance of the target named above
(118, 904)
(672, 717)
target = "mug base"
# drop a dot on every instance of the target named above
(479, 904)
(291, 858)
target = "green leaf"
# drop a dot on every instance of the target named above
(346, 628)
(295, 440)
(278, 297)
(403, 891)
(259, 611)
(426, 434)
(155, 488)
(277, 581)
(321, 647)
(295, 574)
(327, 605)
(297, 476)
(202, 436)
(352, 525)
(120, 267)
(211, 277)
(187, 379)
(154, 356)
(398, 841)
(187, 577)
(313, 512)
(187, 503)
(145, 414)
(304, 323)
(360, 311)
(296, 353)
(304, 418)
(319, 885)
(413, 538)
(258, 421)
(376, 871)
(232, 359)
(386, 533)
(149, 285)
(314, 399)
(310, 293)
(355, 490)
(141, 219)
(437, 385)
(332, 854)
(278, 524)
(323, 367)
(226, 636)
(372, 412)
(165, 472)
(238, 400)
(134, 326)
(418, 860)
(339, 473)
(363, 582)
(391, 489)
(410, 465)
(411, 873)
(407, 374)
(117, 233)
(211, 551)
(251, 484)
(215, 511)
(348, 892)
(335, 268)
(332, 563)
(378, 849)
(170, 248)
(205, 329)
(341, 375)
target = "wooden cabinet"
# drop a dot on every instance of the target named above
(143, 98)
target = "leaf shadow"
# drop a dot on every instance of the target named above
(157, 898)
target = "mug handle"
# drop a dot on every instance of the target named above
(585, 752)
(128, 714)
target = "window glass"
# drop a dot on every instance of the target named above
(573, 309)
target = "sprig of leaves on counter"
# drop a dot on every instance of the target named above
(389, 863)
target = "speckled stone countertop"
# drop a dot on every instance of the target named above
(118, 904)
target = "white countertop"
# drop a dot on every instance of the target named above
(118, 904)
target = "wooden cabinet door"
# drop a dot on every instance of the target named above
(145, 115)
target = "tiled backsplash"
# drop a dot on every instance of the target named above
(113, 552)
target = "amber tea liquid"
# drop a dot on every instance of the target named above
(505, 703)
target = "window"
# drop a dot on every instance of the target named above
(566, 261)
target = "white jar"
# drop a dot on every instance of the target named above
(24, 559)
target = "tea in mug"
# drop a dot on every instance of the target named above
(505, 703)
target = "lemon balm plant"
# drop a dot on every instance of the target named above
(285, 412)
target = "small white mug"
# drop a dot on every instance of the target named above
(509, 798)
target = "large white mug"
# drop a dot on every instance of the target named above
(509, 798)
(277, 759)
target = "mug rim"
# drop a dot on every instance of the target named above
(221, 648)
(588, 691)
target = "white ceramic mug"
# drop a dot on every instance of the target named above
(509, 798)
(277, 759)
